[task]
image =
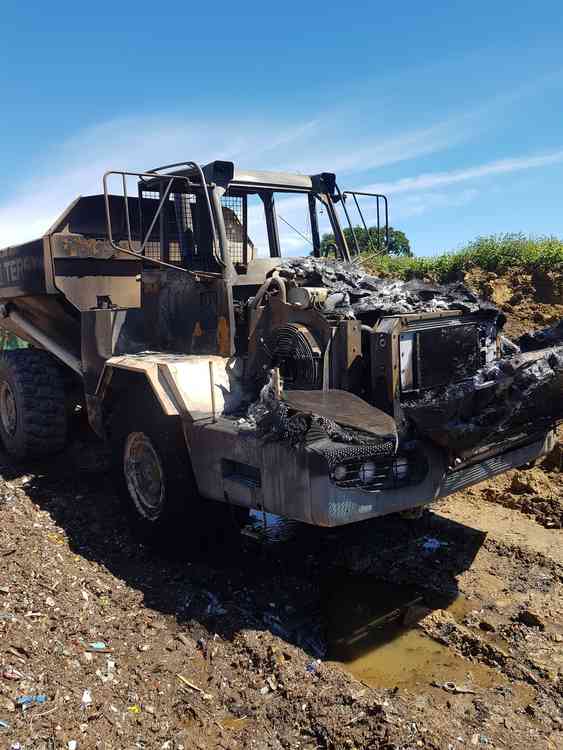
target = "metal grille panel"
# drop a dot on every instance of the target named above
(185, 229)
(234, 216)
(149, 205)
(180, 228)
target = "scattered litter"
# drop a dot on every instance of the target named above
(109, 673)
(4, 590)
(264, 690)
(356, 718)
(55, 538)
(4, 724)
(204, 695)
(430, 544)
(72, 744)
(7, 616)
(86, 699)
(479, 739)
(134, 709)
(313, 667)
(29, 700)
(272, 684)
(12, 674)
(16, 746)
(50, 602)
(451, 687)
(99, 647)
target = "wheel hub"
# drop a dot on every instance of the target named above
(144, 475)
(8, 410)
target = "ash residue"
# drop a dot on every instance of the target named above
(356, 294)
(552, 336)
(273, 419)
(518, 392)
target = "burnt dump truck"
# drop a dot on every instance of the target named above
(226, 377)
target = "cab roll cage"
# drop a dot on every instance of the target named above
(151, 175)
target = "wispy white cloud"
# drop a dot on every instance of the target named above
(417, 204)
(316, 144)
(432, 180)
(339, 149)
(77, 165)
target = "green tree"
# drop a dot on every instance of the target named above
(398, 243)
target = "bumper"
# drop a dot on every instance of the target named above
(290, 483)
(335, 506)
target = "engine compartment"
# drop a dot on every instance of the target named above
(430, 357)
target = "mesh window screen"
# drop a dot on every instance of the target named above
(187, 233)
(149, 205)
(179, 234)
(234, 216)
(180, 228)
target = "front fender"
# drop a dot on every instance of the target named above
(193, 386)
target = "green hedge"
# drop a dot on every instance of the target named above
(497, 253)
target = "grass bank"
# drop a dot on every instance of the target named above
(497, 253)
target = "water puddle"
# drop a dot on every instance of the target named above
(368, 637)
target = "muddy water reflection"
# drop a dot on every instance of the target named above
(368, 638)
(363, 617)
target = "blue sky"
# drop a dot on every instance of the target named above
(452, 108)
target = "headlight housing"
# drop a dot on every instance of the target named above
(375, 474)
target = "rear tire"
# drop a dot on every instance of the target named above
(33, 414)
(155, 481)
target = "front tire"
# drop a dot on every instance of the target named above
(155, 481)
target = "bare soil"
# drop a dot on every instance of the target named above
(441, 632)
(530, 301)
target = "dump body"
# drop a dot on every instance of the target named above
(303, 387)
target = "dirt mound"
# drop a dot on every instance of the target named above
(529, 300)
(536, 491)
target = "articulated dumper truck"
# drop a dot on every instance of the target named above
(225, 374)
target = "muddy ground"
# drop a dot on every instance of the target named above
(441, 632)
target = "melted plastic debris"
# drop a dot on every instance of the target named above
(524, 391)
(355, 294)
(552, 336)
(507, 347)
(272, 418)
(431, 544)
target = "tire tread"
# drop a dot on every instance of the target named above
(42, 409)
